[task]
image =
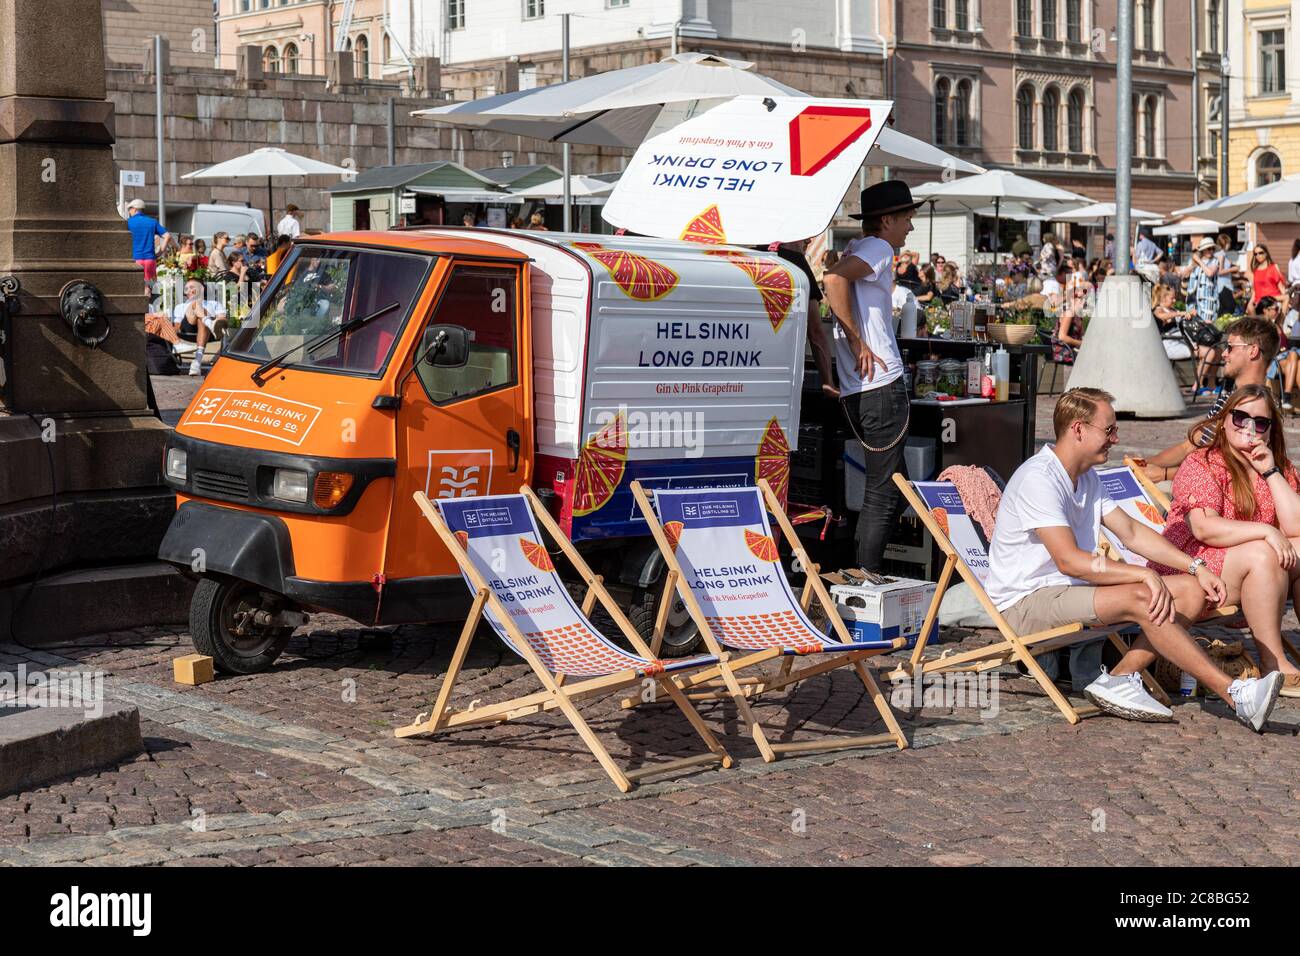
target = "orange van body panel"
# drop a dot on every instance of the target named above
(338, 421)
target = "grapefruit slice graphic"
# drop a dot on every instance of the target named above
(775, 284)
(1151, 514)
(536, 555)
(463, 538)
(773, 460)
(761, 546)
(941, 519)
(706, 227)
(673, 532)
(639, 277)
(600, 467)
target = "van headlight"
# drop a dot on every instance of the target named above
(289, 485)
(177, 464)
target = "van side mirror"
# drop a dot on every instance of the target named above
(445, 346)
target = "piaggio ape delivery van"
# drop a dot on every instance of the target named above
(466, 362)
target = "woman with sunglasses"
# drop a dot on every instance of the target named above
(1266, 279)
(1236, 509)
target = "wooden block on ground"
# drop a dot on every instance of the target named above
(192, 669)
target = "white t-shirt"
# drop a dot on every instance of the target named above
(213, 311)
(288, 226)
(1041, 495)
(873, 314)
(1293, 271)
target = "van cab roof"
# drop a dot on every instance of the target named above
(414, 241)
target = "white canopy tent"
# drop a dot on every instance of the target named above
(270, 162)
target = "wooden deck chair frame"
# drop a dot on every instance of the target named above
(721, 682)
(1162, 502)
(1013, 646)
(556, 694)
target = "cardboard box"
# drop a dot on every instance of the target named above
(882, 612)
(192, 669)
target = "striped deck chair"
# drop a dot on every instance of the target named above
(941, 510)
(505, 562)
(722, 559)
(1160, 502)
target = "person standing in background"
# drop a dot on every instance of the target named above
(289, 225)
(860, 292)
(144, 229)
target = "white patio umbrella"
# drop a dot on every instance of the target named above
(1276, 202)
(621, 107)
(578, 186)
(1103, 211)
(1188, 226)
(270, 162)
(1001, 186)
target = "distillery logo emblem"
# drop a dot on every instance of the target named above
(278, 418)
(75, 909)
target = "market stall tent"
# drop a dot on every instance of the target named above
(373, 199)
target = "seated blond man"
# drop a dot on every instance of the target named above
(1046, 570)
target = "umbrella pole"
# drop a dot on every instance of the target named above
(270, 209)
(997, 227)
(931, 230)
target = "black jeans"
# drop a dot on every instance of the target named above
(878, 417)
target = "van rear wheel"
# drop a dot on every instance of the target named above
(681, 636)
(222, 626)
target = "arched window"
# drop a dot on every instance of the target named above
(961, 114)
(1074, 21)
(1268, 168)
(1024, 18)
(942, 91)
(388, 48)
(1212, 25)
(1025, 117)
(1146, 24)
(961, 14)
(1074, 121)
(1051, 119)
(1149, 108)
(1049, 19)
(291, 58)
(939, 10)
(361, 57)
(271, 60)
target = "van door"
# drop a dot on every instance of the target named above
(464, 431)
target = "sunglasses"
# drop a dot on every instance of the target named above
(1262, 424)
(1112, 432)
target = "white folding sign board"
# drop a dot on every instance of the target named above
(753, 170)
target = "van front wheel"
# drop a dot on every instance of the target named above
(222, 626)
(681, 636)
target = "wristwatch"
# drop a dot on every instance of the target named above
(1196, 565)
(1275, 470)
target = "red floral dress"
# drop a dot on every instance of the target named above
(1203, 481)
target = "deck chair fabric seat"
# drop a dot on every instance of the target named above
(505, 562)
(731, 531)
(723, 561)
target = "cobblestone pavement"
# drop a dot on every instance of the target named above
(299, 766)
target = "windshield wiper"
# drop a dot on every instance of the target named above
(259, 373)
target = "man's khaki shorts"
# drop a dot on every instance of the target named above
(1053, 607)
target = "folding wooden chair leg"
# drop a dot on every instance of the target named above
(747, 715)
(438, 717)
(661, 616)
(932, 614)
(591, 740)
(691, 714)
(882, 705)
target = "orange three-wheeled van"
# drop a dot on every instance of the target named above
(466, 362)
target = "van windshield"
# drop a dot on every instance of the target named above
(321, 290)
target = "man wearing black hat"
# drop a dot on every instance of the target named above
(860, 292)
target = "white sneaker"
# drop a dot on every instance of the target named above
(1287, 406)
(1126, 697)
(196, 367)
(1255, 698)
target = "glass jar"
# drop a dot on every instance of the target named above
(927, 378)
(952, 377)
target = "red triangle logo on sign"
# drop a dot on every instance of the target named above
(820, 133)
